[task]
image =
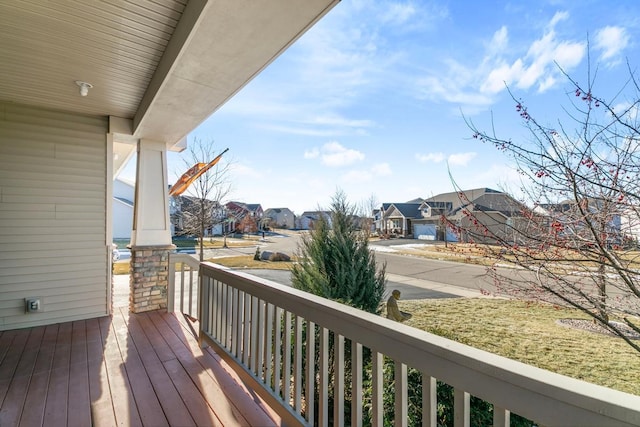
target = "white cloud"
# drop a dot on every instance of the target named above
(611, 41)
(381, 169)
(461, 159)
(539, 67)
(474, 86)
(311, 154)
(399, 14)
(335, 120)
(454, 87)
(559, 16)
(335, 154)
(499, 41)
(430, 157)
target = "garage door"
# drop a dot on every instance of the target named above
(424, 231)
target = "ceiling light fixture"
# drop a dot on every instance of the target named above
(84, 87)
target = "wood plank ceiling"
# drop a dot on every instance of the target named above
(45, 46)
(166, 65)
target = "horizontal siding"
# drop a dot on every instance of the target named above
(52, 215)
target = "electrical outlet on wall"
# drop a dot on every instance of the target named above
(33, 304)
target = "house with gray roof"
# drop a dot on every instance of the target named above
(279, 218)
(453, 216)
(443, 216)
(396, 218)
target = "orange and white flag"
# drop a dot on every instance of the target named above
(192, 174)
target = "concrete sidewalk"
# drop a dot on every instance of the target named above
(428, 285)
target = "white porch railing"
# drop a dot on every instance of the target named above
(182, 289)
(259, 327)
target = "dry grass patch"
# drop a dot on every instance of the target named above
(529, 333)
(121, 267)
(459, 252)
(231, 243)
(247, 261)
(471, 253)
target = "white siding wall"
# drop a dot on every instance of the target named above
(53, 171)
(122, 211)
(122, 220)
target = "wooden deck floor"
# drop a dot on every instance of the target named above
(126, 369)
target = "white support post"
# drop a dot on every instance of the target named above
(151, 225)
(151, 235)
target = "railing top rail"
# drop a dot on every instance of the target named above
(524, 389)
(185, 259)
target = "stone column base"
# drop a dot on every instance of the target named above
(149, 278)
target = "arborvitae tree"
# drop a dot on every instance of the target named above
(335, 261)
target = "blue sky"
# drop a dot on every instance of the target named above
(371, 99)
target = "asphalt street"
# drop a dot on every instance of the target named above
(415, 278)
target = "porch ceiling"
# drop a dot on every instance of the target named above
(166, 65)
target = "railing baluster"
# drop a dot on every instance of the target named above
(429, 401)
(234, 322)
(461, 408)
(230, 309)
(286, 362)
(219, 310)
(377, 364)
(239, 322)
(190, 289)
(211, 304)
(323, 391)
(215, 318)
(268, 349)
(338, 381)
(356, 384)
(246, 330)
(401, 395)
(203, 313)
(224, 320)
(277, 352)
(501, 417)
(182, 288)
(297, 365)
(261, 340)
(310, 376)
(254, 335)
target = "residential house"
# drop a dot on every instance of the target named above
(568, 218)
(243, 217)
(397, 218)
(495, 210)
(184, 214)
(307, 219)
(123, 196)
(427, 219)
(279, 218)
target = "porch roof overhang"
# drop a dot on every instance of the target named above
(159, 69)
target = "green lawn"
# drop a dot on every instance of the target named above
(529, 333)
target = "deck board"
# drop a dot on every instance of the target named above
(56, 406)
(79, 413)
(21, 378)
(126, 369)
(174, 408)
